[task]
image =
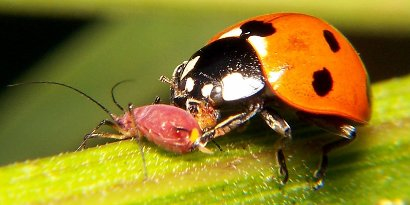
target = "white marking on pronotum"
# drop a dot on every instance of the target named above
(232, 33)
(189, 84)
(176, 68)
(259, 44)
(189, 66)
(206, 90)
(236, 86)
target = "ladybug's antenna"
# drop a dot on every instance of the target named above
(112, 93)
(72, 88)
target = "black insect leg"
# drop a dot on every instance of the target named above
(95, 134)
(157, 100)
(230, 123)
(279, 125)
(138, 136)
(348, 134)
(283, 170)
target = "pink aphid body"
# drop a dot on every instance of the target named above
(169, 127)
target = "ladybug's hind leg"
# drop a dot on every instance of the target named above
(279, 125)
(348, 134)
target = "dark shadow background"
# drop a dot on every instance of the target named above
(25, 40)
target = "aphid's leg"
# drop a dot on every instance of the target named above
(279, 125)
(144, 164)
(102, 135)
(229, 124)
(139, 135)
(94, 133)
(156, 100)
(348, 134)
(217, 145)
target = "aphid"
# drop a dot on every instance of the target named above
(169, 127)
(273, 65)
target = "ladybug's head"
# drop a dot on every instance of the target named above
(221, 74)
(189, 87)
(202, 110)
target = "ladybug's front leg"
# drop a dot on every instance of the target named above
(230, 123)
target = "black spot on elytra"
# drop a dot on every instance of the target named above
(331, 41)
(257, 28)
(322, 82)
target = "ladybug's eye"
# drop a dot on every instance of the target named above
(216, 95)
(192, 106)
(178, 72)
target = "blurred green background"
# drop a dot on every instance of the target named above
(92, 45)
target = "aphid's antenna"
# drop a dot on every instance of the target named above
(72, 88)
(112, 93)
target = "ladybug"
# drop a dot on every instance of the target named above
(276, 65)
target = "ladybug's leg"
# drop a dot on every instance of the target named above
(231, 123)
(279, 125)
(348, 134)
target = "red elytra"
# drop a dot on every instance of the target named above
(296, 51)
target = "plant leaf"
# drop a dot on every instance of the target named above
(371, 170)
